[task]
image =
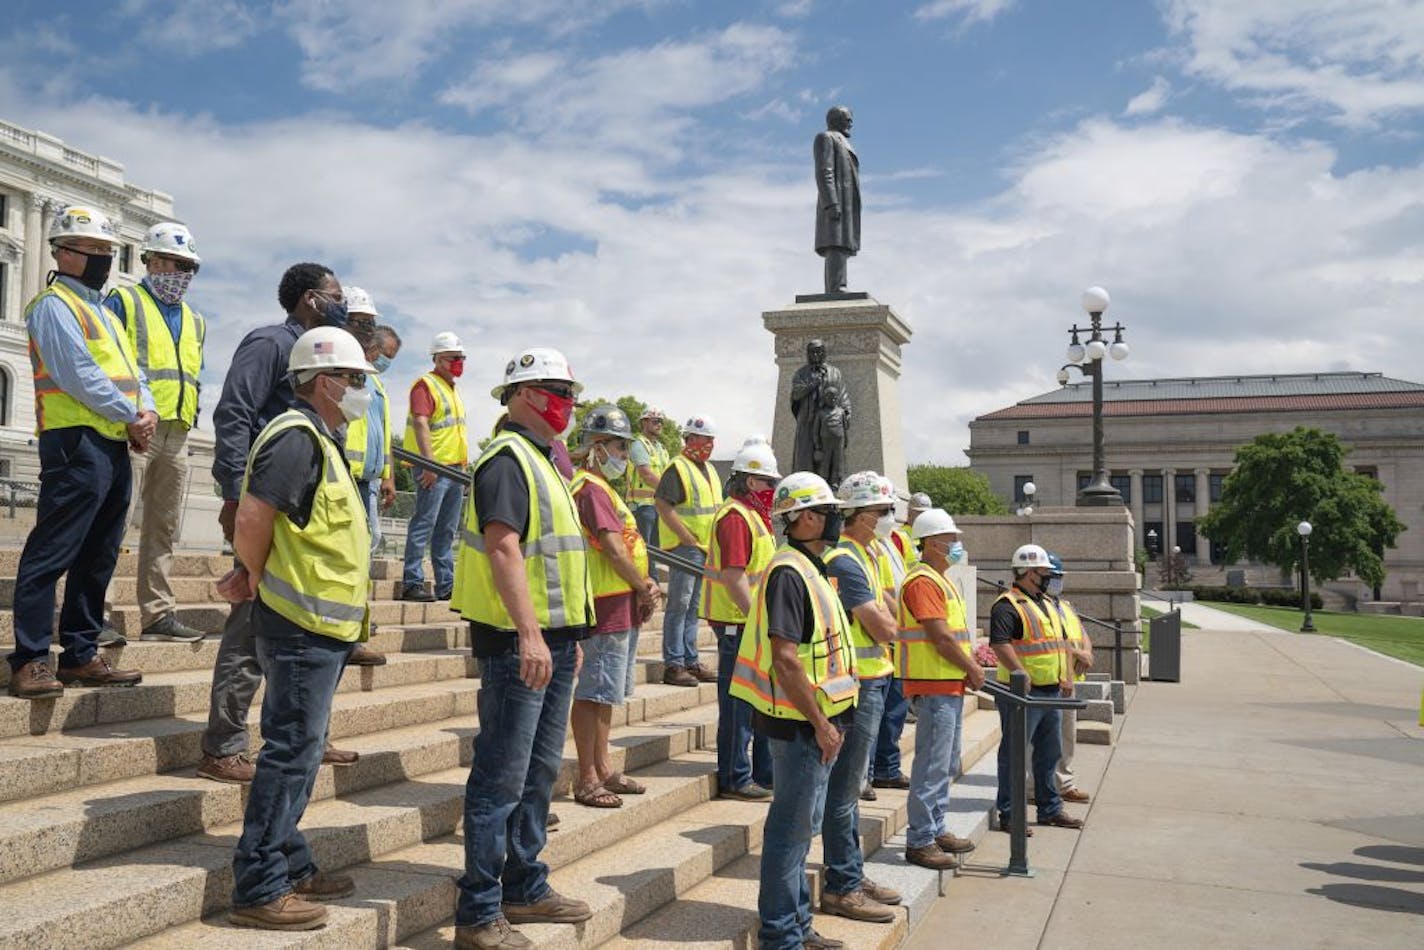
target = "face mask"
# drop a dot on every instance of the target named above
(612, 467)
(354, 403)
(956, 552)
(698, 453)
(382, 363)
(333, 312)
(831, 530)
(170, 288)
(1055, 586)
(96, 269)
(457, 368)
(759, 501)
(558, 411)
(885, 525)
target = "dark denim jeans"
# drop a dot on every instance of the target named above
(646, 518)
(840, 833)
(518, 751)
(680, 616)
(885, 764)
(734, 724)
(797, 808)
(302, 672)
(1046, 746)
(436, 518)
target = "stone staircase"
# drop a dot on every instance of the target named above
(108, 839)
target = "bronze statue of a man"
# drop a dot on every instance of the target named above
(838, 204)
(820, 401)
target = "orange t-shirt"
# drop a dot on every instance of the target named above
(925, 601)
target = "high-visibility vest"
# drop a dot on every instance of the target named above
(907, 547)
(356, 433)
(319, 576)
(640, 491)
(1041, 649)
(555, 554)
(605, 580)
(717, 605)
(172, 370)
(110, 349)
(1072, 630)
(448, 442)
(915, 655)
(872, 659)
(890, 565)
(701, 497)
(828, 659)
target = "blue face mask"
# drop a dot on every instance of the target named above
(956, 552)
(1055, 586)
(333, 312)
(382, 363)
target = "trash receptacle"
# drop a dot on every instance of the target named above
(1164, 662)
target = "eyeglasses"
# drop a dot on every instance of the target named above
(180, 263)
(356, 380)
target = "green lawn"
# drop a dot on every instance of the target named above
(1401, 637)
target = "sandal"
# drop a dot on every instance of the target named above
(623, 785)
(596, 796)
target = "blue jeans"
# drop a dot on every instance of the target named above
(684, 594)
(885, 764)
(371, 495)
(840, 834)
(518, 751)
(302, 672)
(797, 808)
(1046, 745)
(734, 724)
(646, 518)
(437, 515)
(937, 736)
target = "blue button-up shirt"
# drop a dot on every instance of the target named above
(57, 335)
(172, 314)
(376, 435)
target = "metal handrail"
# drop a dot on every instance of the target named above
(1115, 626)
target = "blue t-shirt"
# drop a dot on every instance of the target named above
(851, 582)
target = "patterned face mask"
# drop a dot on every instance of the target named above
(170, 288)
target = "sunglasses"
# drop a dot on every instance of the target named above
(183, 266)
(562, 392)
(357, 380)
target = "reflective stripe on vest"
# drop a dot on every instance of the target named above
(641, 492)
(890, 564)
(873, 659)
(701, 497)
(1041, 649)
(319, 576)
(915, 655)
(356, 433)
(108, 346)
(827, 660)
(448, 443)
(606, 581)
(717, 605)
(909, 551)
(1072, 630)
(172, 369)
(553, 547)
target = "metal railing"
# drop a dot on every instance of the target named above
(19, 493)
(1114, 625)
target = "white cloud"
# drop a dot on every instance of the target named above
(967, 12)
(188, 29)
(1149, 100)
(795, 9)
(1359, 61)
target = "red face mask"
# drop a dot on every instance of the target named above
(457, 368)
(557, 411)
(699, 451)
(759, 500)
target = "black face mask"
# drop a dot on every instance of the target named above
(96, 269)
(831, 527)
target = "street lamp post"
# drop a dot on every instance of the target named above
(1303, 529)
(1026, 506)
(1152, 542)
(1087, 358)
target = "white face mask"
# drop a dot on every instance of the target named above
(612, 467)
(354, 403)
(885, 526)
(1055, 586)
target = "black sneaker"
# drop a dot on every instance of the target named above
(445, 594)
(109, 636)
(417, 593)
(171, 628)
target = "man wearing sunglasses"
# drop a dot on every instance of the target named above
(436, 429)
(167, 335)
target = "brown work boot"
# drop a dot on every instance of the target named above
(930, 856)
(365, 656)
(335, 756)
(495, 935)
(288, 912)
(553, 909)
(818, 941)
(229, 769)
(325, 887)
(1061, 820)
(678, 676)
(35, 681)
(702, 673)
(954, 844)
(857, 906)
(1075, 795)
(879, 893)
(98, 672)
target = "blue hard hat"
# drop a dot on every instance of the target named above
(1055, 565)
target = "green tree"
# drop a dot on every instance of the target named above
(1282, 480)
(633, 406)
(957, 490)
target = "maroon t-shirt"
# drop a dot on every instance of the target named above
(615, 613)
(734, 541)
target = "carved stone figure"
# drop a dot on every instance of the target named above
(838, 197)
(820, 401)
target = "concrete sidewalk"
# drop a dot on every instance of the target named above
(1209, 618)
(1273, 798)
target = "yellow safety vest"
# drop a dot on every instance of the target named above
(448, 443)
(717, 605)
(1072, 631)
(872, 659)
(172, 370)
(890, 565)
(915, 655)
(912, 550)
(555, 555)
(828, 659)
(701, 497)
(1041, 649)
(606, 582)
(641, 492)
(356, 434)
(109, 348)
(319, 576)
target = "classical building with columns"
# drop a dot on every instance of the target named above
(1171, 442)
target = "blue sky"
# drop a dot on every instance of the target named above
(630, 181)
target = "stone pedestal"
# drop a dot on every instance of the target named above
(863, 340)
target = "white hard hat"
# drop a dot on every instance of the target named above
(756, 438)
(651, 413)
(170, 239)
(358, 301)
(533, 365)
(444, 342)
(864, 489)
(799, 491)
(932, 522)
(918, 500)
(700, 425)
(756, 458)
(1030, 555)
(78, 221)
(323, 348)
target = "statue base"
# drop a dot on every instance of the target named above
(843, 295)
(863, 340)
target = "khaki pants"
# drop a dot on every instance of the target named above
(164, 479)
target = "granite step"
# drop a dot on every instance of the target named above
(192, 563)
(123, 589)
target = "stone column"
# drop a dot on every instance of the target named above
(1169, 510)
(1203, 551)
(1135, 489)
(33, 271)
